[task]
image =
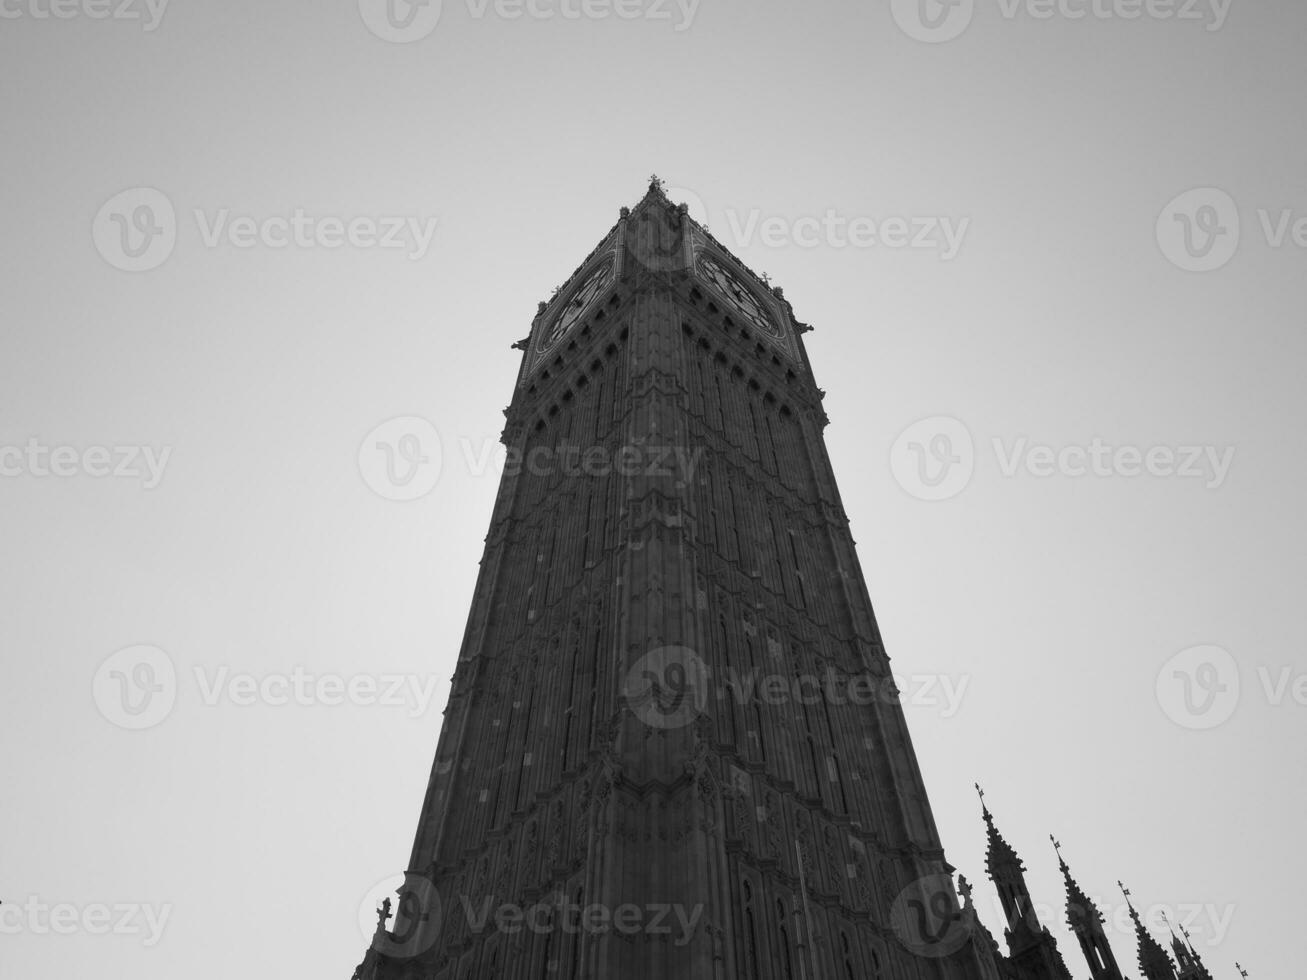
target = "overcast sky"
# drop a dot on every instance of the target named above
(1056, 275)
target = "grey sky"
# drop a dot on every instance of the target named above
(252, 361)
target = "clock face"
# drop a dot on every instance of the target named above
(737, 295)
(576, 307)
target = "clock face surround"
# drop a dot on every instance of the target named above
(583, 296)
(739, 296)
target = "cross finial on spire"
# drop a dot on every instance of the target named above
(1124, 890)
(1242, 972)
(655, 183)
(1057, 846)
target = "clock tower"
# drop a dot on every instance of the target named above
(673, 747)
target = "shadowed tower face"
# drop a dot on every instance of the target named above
(672, 746)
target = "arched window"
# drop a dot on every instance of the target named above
(750, 933)
(787, 954)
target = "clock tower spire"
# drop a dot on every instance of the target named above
(612, 796)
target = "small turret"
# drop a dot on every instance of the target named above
(1154, 963)
(1087, 923)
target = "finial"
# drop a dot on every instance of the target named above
(965, 889)
(625, 212)
(655, 183)
(1129, 904)
(1242, 972)
(766, 279)
(383, 914)
(1057, 846)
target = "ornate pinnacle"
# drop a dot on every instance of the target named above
(656, 183)
(965, 889)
